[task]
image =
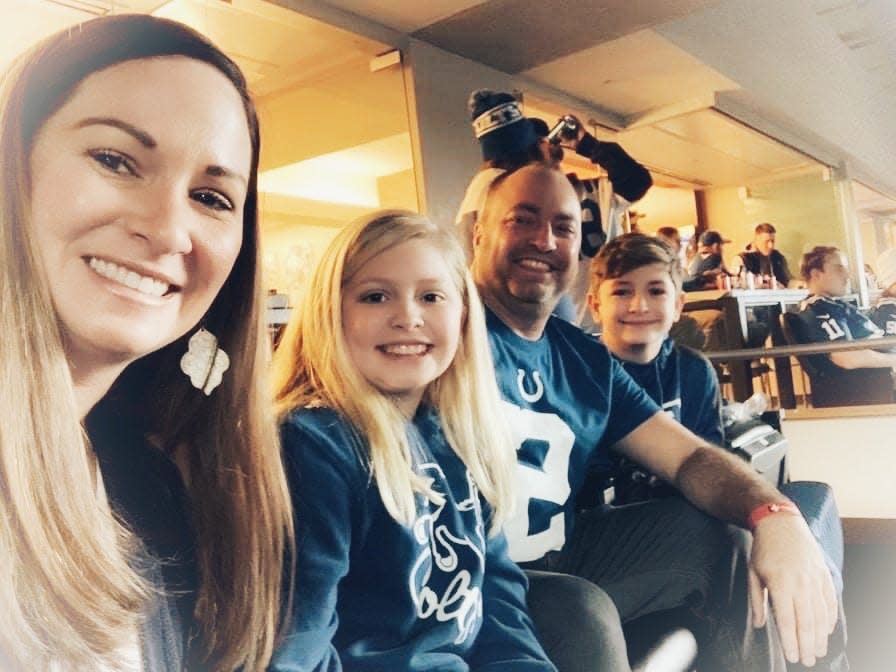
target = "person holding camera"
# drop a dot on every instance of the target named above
(507, 139)
(605, 200)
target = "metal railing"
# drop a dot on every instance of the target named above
(802, 349)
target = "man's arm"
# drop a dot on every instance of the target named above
(713, 479)
(630, 179)
(785, 559)
(863, 359)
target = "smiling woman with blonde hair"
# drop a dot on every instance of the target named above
(144, 515)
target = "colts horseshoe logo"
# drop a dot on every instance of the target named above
(531, 397)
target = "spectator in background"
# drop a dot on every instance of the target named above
(507, 140)
(707, 264)
(605, 206)
(761, 257)
(670, 235)
(883, 313)
(829, 318)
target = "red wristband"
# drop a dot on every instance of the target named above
(760, 512)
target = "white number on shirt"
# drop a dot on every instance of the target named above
(833, 330)
(550, 483)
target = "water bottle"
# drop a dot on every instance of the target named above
(750, 409)
(755, 406)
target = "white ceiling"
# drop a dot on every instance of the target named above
(818, 74)
(665, 75)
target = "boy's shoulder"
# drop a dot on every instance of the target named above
(687, 358)
(688, 354)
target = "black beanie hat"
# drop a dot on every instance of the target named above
(499, 124)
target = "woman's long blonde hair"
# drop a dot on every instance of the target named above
(312, 367)
(70, 595)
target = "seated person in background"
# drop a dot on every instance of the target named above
(761, 257)
(670, 235)
(829, 318)
(707, 264)
(636, 296)
(883, 313)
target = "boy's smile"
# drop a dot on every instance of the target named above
(636, 311)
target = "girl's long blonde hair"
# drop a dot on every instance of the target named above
(312, 367)
(70, 595)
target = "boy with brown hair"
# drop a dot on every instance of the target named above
(636, 296)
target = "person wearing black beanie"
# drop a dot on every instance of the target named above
(505, 135)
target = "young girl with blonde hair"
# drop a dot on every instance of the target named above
(143, 521)
(399, 462)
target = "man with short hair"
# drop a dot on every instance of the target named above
(569, 402)
(761, 257)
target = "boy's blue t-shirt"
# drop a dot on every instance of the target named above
(568, 400)
(683, 383)
(374, 595)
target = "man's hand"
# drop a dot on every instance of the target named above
(580, 133)
(787, 566)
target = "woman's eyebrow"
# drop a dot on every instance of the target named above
(142, 137)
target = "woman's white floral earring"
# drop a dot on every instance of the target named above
(204, 362)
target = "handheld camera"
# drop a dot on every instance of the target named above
(566, 128)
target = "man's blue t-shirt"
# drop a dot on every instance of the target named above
(568, 400)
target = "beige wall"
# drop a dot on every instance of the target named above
(398, 190)
(666, 206)
(447, 153)
(346, 107)
(803, 209)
